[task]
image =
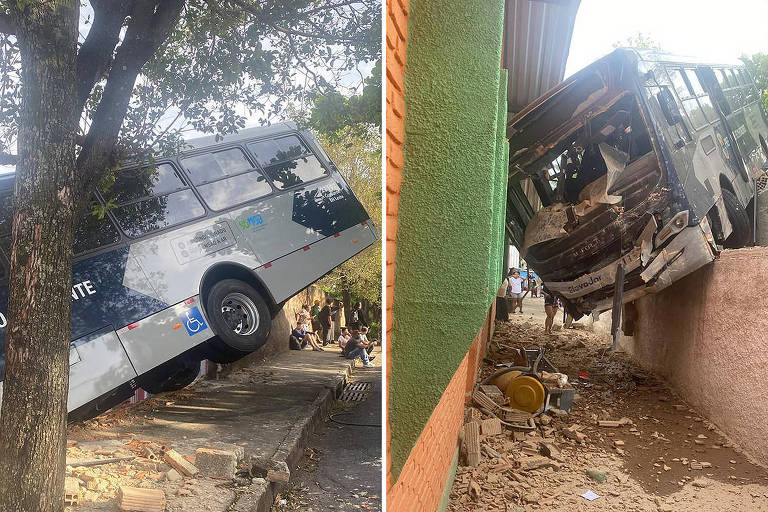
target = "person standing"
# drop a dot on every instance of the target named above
(550, 308)
(325, 316)
(515, 290)
(358, 316)
(314, 312)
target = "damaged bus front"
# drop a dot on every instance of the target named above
(645, 167)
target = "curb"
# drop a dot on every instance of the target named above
(262, 493)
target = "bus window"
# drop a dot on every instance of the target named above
(678, 82)
(271, 151)
(152, 198)
(149, 215)
(226, 178)
(92, 233)
(132, 184)
(214, 166)
(696, 87)
(734, 78)
(295, 172)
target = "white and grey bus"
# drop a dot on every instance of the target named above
(194, 257)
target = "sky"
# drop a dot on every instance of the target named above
(719, 31)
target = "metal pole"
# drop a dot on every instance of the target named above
(754, 214)
(618, 292)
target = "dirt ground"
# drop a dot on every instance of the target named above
(668, 457)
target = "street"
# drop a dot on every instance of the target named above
(341, 467)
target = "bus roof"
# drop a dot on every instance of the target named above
(248, 133)
(619, 54)
(652, 55)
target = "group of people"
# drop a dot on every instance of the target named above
(314, 327)
(517, 288)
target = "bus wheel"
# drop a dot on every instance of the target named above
(170, 376)
(238, 316)
(742, 228)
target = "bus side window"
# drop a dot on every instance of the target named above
(286, 161)
(92, 233)
(151, 198)
(225, 178)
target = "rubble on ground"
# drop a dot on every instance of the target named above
(131, 472)
(627, 440)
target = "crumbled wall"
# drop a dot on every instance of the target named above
(707, 336)
(446, 268)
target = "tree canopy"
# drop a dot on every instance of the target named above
(222, 64)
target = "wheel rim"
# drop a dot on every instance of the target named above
(240, 314)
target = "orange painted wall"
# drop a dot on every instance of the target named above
(397, 30)
(422, 480)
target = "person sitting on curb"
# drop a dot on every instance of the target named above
(355, 348)
(304, 336)
(343, 338)
(364, 336)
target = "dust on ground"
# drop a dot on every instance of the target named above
(665, 458)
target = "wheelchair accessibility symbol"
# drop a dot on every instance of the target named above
(193, 321)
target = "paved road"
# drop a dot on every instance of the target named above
(341, 469)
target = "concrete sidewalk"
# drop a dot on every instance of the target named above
(268, 408)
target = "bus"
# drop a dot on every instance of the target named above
(192, 257)
(645, 164)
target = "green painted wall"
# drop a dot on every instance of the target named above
(451, 209)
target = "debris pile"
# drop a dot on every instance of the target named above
(627, 443)
(144, 475)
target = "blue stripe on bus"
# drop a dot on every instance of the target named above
(111, 305)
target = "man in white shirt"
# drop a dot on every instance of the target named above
(515, 290)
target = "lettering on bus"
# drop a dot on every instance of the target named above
(252, 221)
(79, 291)
(204, 242)
(82, 290)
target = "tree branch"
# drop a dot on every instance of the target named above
(151, 23)
(95, 54)
(7, 26)
(8, 159)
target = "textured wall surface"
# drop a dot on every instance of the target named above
(424, 479)
(397, 35)
(707, 335)
(445, 268)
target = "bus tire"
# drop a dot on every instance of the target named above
(742, 227)
(238, 316)
(170, 376)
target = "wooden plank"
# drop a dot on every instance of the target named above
(180, 464)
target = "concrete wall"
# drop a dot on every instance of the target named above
(707, 335)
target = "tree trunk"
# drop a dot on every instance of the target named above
(33, 419)
(346, 298)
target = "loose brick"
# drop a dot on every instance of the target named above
(216, 463)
